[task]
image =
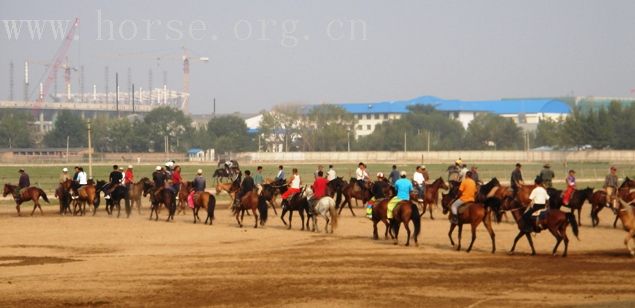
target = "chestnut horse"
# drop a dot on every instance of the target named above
(625, 211)
(63, 193)
(230, 188)
(472, 213)
(86, 194)
(556, 221)
(29, 193)
(404, 212)
(135, 193)
(431, 195)
(599, 200)
(204, 200)
(181, 197)
(257, 204)
(160, 196)
(352, 190)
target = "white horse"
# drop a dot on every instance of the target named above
(325, 207)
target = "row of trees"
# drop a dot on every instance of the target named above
(325, 128)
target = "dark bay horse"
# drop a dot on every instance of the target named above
(271, 191)
(296, 203)
(380, 213)
(257, 204)
(184, 191)
(30, 193)
(472, 213)
(352, 190)
(625, 211)
(160, 196)
(204, 200)
(404, 212)
(599, 201)
(335, 188)
(577, 200)
(63, 194)
(431, 195)
(119, 193)
(554, 220)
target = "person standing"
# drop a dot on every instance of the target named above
(64, 176)
(570, 187)
(539, 198)
(467, 190)
(610, 185)
(394, 175)
(419, 180)
(258, 179)
(403, 187)
(547, 175)
(331, 174)
(516, 179)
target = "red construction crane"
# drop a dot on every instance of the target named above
(56, 63)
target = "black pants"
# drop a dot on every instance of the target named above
(527, 216)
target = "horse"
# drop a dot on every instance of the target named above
(270, 191)
(352, 190)
(204, 200)
(556, 221)
(334, 189)
(220, 174)
(324, 207)
(119, 193)
(599, 201)
(231, 188)
(182, 195)
(135, 192)
(160, 196)
(380, 213)
(431, 195)
(577, 200)
(29, 193)
(625, 211)
(523, 192)
(296, 203)
(472, 212)
(257, 204)
(86, 194)
(63, 193)
(404, 212)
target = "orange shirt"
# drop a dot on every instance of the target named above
(468, 190)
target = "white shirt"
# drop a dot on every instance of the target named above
(331, 175)
(361, 174)
(418, 178)
(539, 195)
(81, 178)
(295, 183)
(463, 172)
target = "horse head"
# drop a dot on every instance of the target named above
(147, 187)
(307, 192)
(441, 183)
(8, 188)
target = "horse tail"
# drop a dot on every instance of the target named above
(416, 220)
(263, 209)
(494, 204)
(211, 205)
(574, 224)
(338, 197)
(333, 213)
(43, 195)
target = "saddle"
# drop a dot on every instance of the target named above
(464, 207)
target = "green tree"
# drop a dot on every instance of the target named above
(229, 133)
(547, 133)
(326, 128)
(166, 121)
(14, 129)
(493, 131)
(281, 127)
(67, 124)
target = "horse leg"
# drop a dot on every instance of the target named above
(473, 226)
(396, 230)
(406, 224)
(555, 234)
(290, 217)
(284, 211)
(273, 207)
(326, 225)
(316, 228)
(520, 234)
(430, 208)
(531, 244)
(458, 244)
(615, 221)
(34, 207)
(301, 212)
(580, 216)
(255, 217)
(627, 241)
(452, 226)
(563, 231)
(375, 235)
(238, 221)
(490, 230)
(194, 213)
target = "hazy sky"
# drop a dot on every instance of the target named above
(264, 53)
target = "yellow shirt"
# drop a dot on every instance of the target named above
(468, 190)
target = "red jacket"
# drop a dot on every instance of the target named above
(176, 177)
(128, 177)
(319, 187)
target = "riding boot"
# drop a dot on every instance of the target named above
(284, 204)
(454, 219)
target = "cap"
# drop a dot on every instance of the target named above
(64, 169)
(403, 173)
(120, 168)
(380, 174)
(423, 166)
(547, 165)
(458, 161)
(157, 168)
(129, 166)
(21, 170)
(199, 171)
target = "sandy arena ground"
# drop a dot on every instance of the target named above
(101, 260)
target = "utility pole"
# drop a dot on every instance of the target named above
(90, 152)
(133, 98)
(428, 141)
(405, 142)
(117, 93)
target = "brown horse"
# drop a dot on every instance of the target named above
(554, 220)
(63, 193)
(270, 192)
(352, 190)
(85, 195)
(380, 211)
(135, 193)
(431, 195)
(577, 200)
(296, 203)
(472, 213)
(626, 213)
(30, 193)
(404, 212)
(181, 197)
(599, 200)
(230, 188)
(257, 204)
(204, 200)
(522, 195)
(160, 196)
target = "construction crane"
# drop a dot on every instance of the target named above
(55, 64)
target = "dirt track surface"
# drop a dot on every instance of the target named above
(93, 261)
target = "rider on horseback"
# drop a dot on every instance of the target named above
(159, 177)
(404, 187)
(570, 187)
(517, 178)
(280, 178)
(420, 183)
(23, 182)
(468, 193)
(246, 186)
(82, 180)
(539, 198)
(361, 176)
(115, 179)
(294, 187)
(610, 185)
(319, 190)
(547, 175)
